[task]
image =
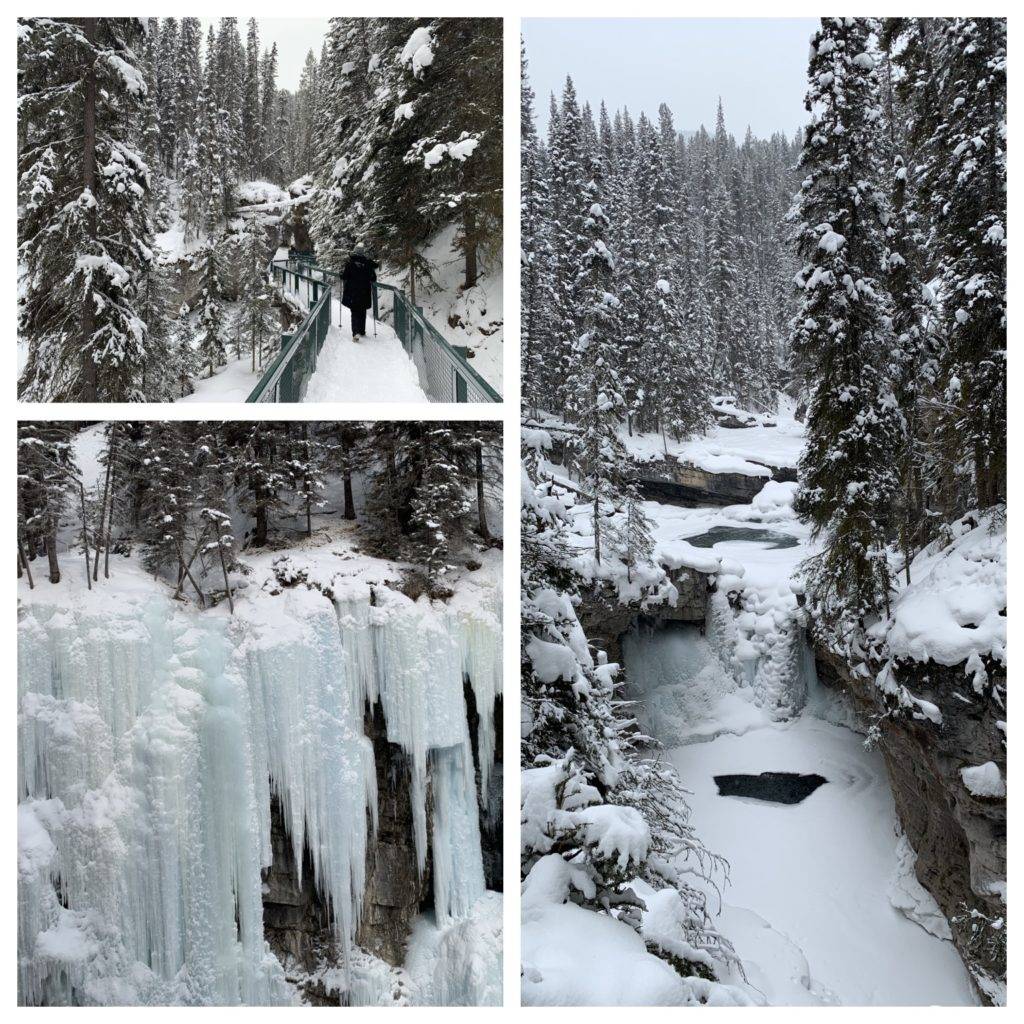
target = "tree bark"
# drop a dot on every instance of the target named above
(85, 532)
(346, 476)
(188, 572)
(306, 483)
(480, 508)
(469, 230)
(23, 564)
(89, 375)
(110, 530)
(51, 554)
(103, 516)
(227, 586)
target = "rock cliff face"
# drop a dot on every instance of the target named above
(491, 828)
(960, 838)
(606, 621)
(296, 920)
(394, 889)
(678, 483)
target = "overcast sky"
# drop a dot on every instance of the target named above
(295, 37)
(757, 65)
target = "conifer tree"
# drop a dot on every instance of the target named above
(965, 178)
(848, 483)
(85, 238)
(212, 337)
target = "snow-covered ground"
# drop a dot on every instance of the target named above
(811, 907)
(473, 318)
(232, 382)
(747, 450)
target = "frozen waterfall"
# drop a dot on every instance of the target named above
(150, 738)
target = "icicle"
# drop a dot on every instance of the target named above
(458, 865)
(150, 739)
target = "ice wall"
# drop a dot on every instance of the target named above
(150, 736)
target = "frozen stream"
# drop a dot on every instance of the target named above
(810, 906)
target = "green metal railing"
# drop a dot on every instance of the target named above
(287, 377)
(444, 373)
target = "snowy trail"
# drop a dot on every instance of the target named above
(374, 369)
(810, 903)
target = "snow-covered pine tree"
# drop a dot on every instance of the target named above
(348, 138)
(440, 505)
(386, 492)
(578, 753)
(228, 83)
(596, 394)
(913, 369)
(84, 235)
(347, 455)
(165, 90)
(567, 179)
(458, 120)
(188, 82)
(268, 109)
(212, 338)
(848, 482)
(161, 372)
(394, 197)
(535, 264)
(304, 466)
(307, 107)
(251, 114)
(965, 180)
(257, 324)
(165, 483)
(46, 471)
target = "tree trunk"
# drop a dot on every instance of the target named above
(51, 554)
(227, 586)
(306, 484)
(188, 572)
(480, 508)
(110, 530)
(85, 532)
(103, 515)
(89, 375)
(262, 526)
(597, 528)
(346, 476)
(469, 230)
(23, 564)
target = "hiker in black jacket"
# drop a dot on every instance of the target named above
(357, 282)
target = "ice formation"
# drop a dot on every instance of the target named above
(151, 737)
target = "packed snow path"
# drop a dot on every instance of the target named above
(373, 369)
(823, 906)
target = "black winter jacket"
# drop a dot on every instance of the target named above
(359, 274)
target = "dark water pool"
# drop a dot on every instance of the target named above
(717, 534)
(775, 787)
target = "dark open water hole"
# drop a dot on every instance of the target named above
(769, 538)
(776, 787)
